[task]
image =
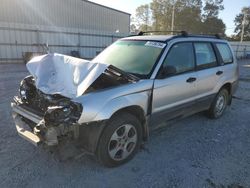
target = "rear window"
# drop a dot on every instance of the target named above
(205, 56)
(225, 53)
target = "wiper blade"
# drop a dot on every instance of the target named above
(118, 72)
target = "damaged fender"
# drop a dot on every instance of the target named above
(102, 105)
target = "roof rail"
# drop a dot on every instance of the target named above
(217, 36)
(183, 33)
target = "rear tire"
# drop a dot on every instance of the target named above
(120, 140)
(219, 104)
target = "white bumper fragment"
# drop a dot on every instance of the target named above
(24, 130)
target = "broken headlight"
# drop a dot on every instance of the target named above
(23, 90)
(23, 94)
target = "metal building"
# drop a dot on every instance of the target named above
(62, 25)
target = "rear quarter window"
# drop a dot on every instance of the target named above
(225, 53)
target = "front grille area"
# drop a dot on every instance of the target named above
(28, 107)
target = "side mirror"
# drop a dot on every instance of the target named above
(166, 71)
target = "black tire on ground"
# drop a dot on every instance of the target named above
(219, 104)
(110, 146)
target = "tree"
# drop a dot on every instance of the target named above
(238, 23)
(212, 8)
(211, 23)
(189, 15)
(133, 28)
(143, 17)
(160, 14)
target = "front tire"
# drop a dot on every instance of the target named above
(120, 140)
(219, 104)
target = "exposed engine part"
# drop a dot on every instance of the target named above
(50, 137)
(56, 115)
(56, 108)
(59, 114)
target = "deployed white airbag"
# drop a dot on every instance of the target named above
(64, 75)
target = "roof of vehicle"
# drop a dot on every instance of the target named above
(165, 38)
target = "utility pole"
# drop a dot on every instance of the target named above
(243, 26)
(173, 14)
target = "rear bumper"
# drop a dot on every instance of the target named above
(22, 127)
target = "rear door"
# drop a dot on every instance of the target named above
(227, 66)
(208, 73)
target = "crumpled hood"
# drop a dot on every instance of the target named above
(64, 75)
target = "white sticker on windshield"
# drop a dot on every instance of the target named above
(155, 44)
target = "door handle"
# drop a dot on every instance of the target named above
(219, 73)
(191, 79)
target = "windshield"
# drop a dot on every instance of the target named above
(135, 57)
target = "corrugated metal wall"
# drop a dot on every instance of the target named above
(65, 25)
(241, 49)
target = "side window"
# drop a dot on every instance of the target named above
(205, 56)
(180, 58)
(225, 53)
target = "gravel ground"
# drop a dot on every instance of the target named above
(194, 152)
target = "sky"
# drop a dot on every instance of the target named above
(232, 8)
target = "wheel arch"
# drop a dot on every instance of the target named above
(139, 113)
(134, 110)
(228, 87)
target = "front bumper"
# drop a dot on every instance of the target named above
(22, 127)
(31, 126)
(23, 131)
(86, 136)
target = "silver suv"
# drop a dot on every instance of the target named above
(109, 105)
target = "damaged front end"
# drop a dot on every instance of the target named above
(44, 118)
(46, 110)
